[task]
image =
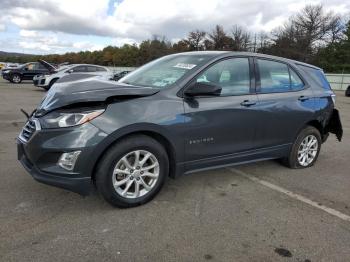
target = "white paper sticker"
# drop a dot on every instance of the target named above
(184, 66)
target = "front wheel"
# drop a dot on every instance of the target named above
(16, 78)
(305, 149)
(132, 171)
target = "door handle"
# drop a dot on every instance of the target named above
(248, 103)
(303, 98)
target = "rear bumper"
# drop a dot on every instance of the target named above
(80, 185)
(334, 125)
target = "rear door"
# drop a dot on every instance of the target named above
(29, 71)
(286, 103)
(222, 125)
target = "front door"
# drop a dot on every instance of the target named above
(220, 126)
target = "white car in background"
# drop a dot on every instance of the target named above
(47, 81)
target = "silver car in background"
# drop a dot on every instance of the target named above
(47, 81)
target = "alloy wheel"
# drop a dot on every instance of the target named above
(135, 174)
(307, 150)
(16, 79)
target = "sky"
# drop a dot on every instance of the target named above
(59, 26)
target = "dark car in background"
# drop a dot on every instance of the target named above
(26, 71)
(120, 75)
(179, 114)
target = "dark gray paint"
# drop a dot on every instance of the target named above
(229, 131)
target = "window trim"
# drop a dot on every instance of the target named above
(252, 84)
(290, 68)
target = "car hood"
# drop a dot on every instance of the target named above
(47, 65)
(88, 90)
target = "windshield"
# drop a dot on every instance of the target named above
(165, 71)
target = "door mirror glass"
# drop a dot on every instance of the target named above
(203, 89)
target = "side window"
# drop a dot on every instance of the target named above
(318, 76)
(41, 66)
(31, 67)
(274, 76)
(295, 82)
(91, 69)
(80, 69)
(232, 75)
(100, 69)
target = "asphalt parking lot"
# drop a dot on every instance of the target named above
(255, 212)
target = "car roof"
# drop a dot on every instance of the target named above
(222, 54)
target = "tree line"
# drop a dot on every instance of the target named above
(313, 35)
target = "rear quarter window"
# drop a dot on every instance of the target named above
(317, 75)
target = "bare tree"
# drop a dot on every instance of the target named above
(305, 33)
(240, 39)
(218, 38)
(195, 39)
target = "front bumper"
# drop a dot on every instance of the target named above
(39, 81)
(40, 154)
(82, 186)
(5, 76)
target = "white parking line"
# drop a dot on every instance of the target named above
(292, 195)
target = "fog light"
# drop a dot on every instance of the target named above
(67, 160)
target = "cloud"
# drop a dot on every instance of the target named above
(131, 21)
(28, 33)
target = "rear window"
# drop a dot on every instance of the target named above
(318, 76)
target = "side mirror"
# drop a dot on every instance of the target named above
(203, 89)
(70, 71)
(26, 68)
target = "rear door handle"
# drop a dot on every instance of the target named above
(248, 103)
(303, 98)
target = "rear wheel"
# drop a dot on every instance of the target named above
(132, 172)
(305, 149)
(16, 78)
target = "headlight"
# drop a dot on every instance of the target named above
(59, 119)
(5, 71)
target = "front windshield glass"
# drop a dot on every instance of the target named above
(165, 71)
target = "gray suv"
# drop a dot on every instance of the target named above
(179, 114)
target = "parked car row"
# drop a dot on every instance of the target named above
(45, 74)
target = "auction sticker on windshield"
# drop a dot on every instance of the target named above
(184, 66)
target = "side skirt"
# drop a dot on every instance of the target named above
(236, 159)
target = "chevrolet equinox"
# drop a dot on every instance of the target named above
(176, 115)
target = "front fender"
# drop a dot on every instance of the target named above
(176, 143)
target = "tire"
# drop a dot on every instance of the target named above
(16, 78)
(306, 134)
(347, 92)
(51, 83)
(113, 159)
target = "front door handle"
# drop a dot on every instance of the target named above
(303, 98)
(248, 103)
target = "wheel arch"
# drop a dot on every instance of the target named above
(163, 138)
(52, 81)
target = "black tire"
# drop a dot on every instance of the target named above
(104, 172)
(292, 160)
(51, 83)
(347, 92)
(16, 78)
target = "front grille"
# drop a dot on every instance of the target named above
(29, 128)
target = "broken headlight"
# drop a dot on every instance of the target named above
(59, 119)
